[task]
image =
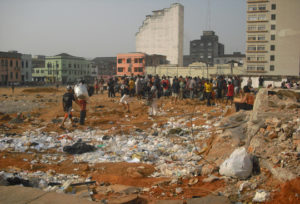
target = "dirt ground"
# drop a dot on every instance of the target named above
(42, 107)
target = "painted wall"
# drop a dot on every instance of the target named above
(162, 33)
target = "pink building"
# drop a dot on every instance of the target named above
(131, 64)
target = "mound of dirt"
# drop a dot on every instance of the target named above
(37, 90)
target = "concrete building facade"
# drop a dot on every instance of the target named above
(10, 68)
(162, 34)
(107, 66)
(26, 70)
(273, 37)
(206, 49)
(227, 58)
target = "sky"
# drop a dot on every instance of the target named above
(104, 28)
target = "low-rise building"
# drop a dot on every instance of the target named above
(10, 68)
(26, 70)
(133, 64)
(64, 68)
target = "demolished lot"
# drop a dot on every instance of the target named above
(187, 152)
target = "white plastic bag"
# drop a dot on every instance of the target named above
(81, 91)
(238, 165)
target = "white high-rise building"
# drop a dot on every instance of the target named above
(273, 37)
(162, 34)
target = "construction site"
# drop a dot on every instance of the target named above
(181, 155)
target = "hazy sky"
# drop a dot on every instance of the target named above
(103, 28)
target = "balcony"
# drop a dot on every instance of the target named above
(257, 1)
(256, 71)
(257, 31)
(256, 51)
(250, 61)
(257, 11)
(257, 41)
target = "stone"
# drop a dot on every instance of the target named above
(207, 169)
(178, 190)
(275, 159)
(211, 178)
(210, 199)
(273, 135)
(169, 202)
(261, 196)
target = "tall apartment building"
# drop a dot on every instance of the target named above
(273, 37)
(206, 49)
(10, 68)
(162, 34)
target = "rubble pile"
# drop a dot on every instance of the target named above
(270, 133)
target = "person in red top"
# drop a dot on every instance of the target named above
(165, 84)
(82, 103)
(230, 92)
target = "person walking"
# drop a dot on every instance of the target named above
(67, 101)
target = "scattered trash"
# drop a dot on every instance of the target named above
(261, 196)
(78, 148)
(238, 165)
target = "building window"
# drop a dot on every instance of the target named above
(272, 37)
(74, 65)
(251, 37)
(251, 68)
(17, 63)
(272, 47)
(119, 61)
(273, 6)
(49, 72)
(251, 58)
(252, 18)
(273, 27)
(136, 60)
(22, 64)
(272, 58)
(261, 17)
(252, 8)
(261, 47)
(201, 44)
(251, 48)
(17, 75)
(37, 71)
(11, 75)
(260, 58)
(261, 37)
(273, 17)
(262, 7)
(26, 64)
(260, 68)
(49, 65)
(209, 44)
(42, 71)
(128, 60)
(272, 67)
(209, 56)
(141, 60)
(261, 27)
(251, 28)
(27, 76)
(120, 69)
(70, 65)
(11, 63)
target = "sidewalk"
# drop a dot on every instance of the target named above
(27, 195)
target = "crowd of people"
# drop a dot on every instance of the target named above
(214, 91)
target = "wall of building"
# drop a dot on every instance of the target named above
(10, 68)
(162, 33)
(196, 69)
(26, 70)
(131, 64)
(287, 38)
(273, 37)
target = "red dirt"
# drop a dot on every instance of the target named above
(288, 193)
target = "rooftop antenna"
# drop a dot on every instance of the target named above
(208, 14)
